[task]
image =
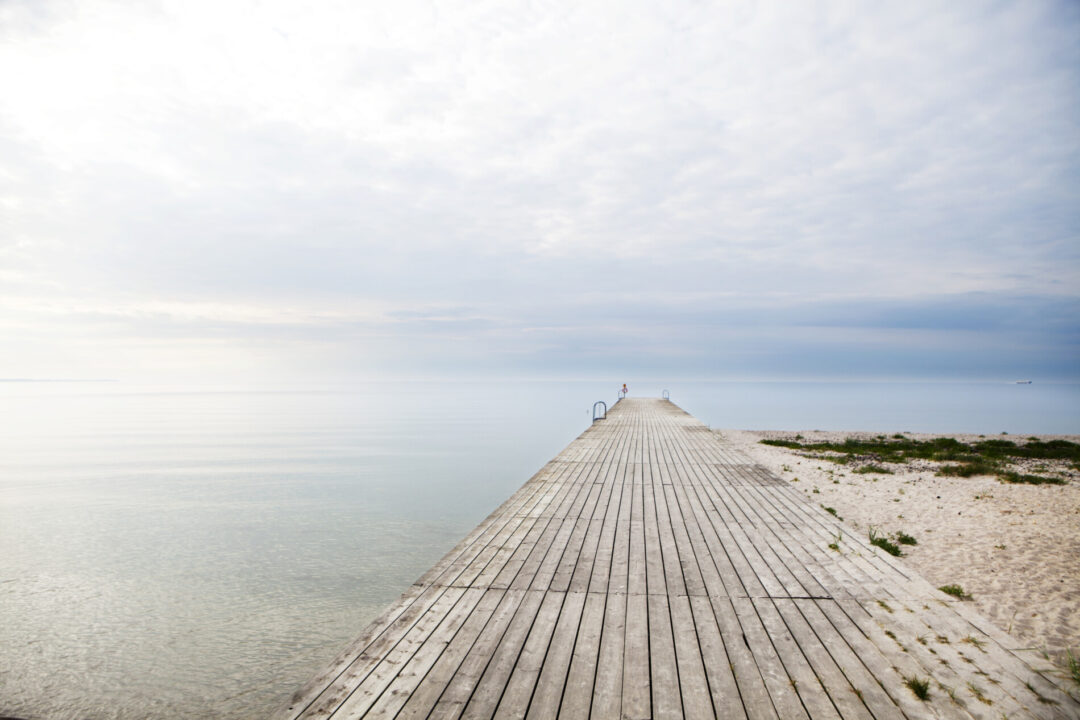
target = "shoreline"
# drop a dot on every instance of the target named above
(1015, 548)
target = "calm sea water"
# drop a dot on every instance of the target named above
(187, 552)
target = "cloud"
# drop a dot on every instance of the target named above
(453, 187)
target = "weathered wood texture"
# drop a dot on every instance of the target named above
(651, 571)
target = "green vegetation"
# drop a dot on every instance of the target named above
(978, 693)
(1042, 698)
(985, 457)
(835, 545)
(884, 543)
(955, 590)
(951, 692)
(1012, 477)
(920, 687)
(974, 641)
(872, 468)
(904, 539)
(1073, 664)
(968, 469)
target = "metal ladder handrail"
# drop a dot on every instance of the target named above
(601, 417)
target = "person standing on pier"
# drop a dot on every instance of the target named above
(625, 392)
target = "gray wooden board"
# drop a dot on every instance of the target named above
(652, 571)
(553, 670)
(728, 698)
(428, 691)
(577, 696)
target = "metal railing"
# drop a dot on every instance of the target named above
(603, 408)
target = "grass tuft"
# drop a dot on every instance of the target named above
(920, 687)
(873, 468)
(884, 543)
(1019, 478)
(1073, 664)
(974, 641)
(969, 469)
(956, 591)
(904, 539)
(978, 693)
(1042, 698)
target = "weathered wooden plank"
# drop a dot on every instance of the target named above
(464, 680)
(661, 537)
(663, 666)
(720, 668)
(902, 664)
(636, 683)
(693, 683)
(578, 694)
(780, 684)
(713, 582)
(693, 582)
(548, 695)
(860, 680)
(383, 694)
(618, 575)
(420, 703)
(358, 691)
(606, 544)
(607, 692)
(524, 670)
(655, 576)
(793, 655)
(827, 676)
(502, 659)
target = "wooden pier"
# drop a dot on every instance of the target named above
(651, 571)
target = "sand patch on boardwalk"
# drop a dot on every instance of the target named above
(1014, 548)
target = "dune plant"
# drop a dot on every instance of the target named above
(956, 591)
(1072, 662)
(904, 539)
(983, 457)
(884, 543)
(919, 686)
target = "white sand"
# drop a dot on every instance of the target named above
(1014, 548)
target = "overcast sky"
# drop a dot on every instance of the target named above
(280, 190)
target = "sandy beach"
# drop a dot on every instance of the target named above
(1015, 548)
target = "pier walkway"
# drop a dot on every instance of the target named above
(651, 571)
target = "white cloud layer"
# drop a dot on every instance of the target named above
(272, 188)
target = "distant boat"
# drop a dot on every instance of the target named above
(1023, 382)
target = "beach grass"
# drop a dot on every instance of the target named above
(960, 459)
(956, 591)
(904, 539)
(873, 468)
(1072, 663)
(884, 543)
(919, 686)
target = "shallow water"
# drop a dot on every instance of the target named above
(173, 553)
